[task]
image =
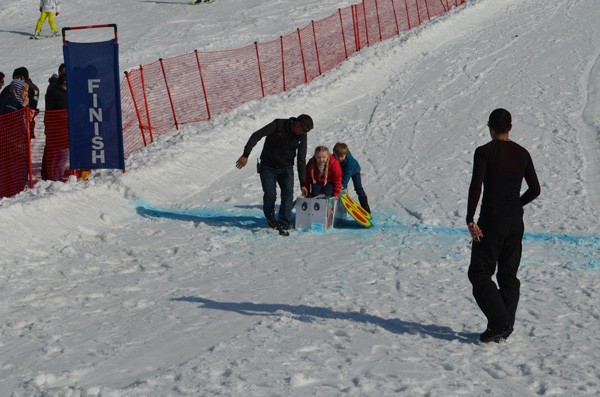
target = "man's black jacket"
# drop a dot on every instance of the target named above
(281, 146)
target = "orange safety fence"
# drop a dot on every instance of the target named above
(159, 97)
(15, 152)
(193, 87)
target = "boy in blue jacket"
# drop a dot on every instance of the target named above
(351, 170)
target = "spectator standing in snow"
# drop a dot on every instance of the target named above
(351, 170)
(500, 165)
(56, 152)
(48, 9)
(62, 70)
(20, 73)
(284, 139)
(13, 141)
(17, 98)
(1, 79)
(323, 174)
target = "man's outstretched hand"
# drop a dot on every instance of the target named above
(241, 162)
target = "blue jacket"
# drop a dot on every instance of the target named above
(10, 104)
(350, 167)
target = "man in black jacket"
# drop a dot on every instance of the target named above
(500, 165)
(285, 139)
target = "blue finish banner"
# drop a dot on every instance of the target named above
(94, 103)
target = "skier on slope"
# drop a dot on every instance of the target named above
(48, 8)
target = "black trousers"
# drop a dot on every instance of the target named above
(500, 246)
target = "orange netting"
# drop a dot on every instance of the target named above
(161, 96)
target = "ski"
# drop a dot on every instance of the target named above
(44, 37)
(193, 3)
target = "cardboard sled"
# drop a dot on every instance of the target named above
(318, 211)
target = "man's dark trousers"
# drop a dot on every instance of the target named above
(284, 177)
(500, 245)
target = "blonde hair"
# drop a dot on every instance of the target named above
(340, 148)
(320, 149)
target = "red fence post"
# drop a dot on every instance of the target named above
(366, 24)
(162, 66)
(427, 9)
(146, 104)
(262, 87)
(418, 12)
(203, 86)
(343, 34)
(316, 46)
(355, 27)
(302, 55)
(28, 116)
(445, 7)
(378, 19)
(282, 63)
(135, 106)
(395, 17)
(407, 14)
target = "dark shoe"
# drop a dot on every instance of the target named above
(495, 335)
(272, 223)
(282, 231)
(364, 202)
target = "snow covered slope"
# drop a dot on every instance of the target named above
(165, 282)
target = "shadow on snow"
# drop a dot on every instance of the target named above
(241, 221)
(308, 313)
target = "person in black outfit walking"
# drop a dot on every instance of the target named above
(284, 139)
(500, 165)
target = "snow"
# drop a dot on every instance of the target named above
(163, 281)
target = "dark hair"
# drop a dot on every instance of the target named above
(1, 75)
(340, 148)
(500, 121)
(61, 79)
(306, 121)
(21, 72)
(63, 68)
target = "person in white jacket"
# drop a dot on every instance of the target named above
(48, 8)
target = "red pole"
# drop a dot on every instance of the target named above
(366, 24)
(28, 116)
(262, 87)
(146, 104)
(356, 26)
(343, 34)
(427, 9)
(316, 46)
(162, 65)
(137, 111)
(418, 12)
(395, 17)
(282, 63)
(378, 19)
(203, 86)
(407, 15)
(302, 55)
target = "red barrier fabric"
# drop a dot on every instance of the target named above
(15, 164)
(193, 87)
(161, 96)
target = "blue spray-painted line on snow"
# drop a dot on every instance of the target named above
(252, 218)
(209, 216)
(396, 223)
